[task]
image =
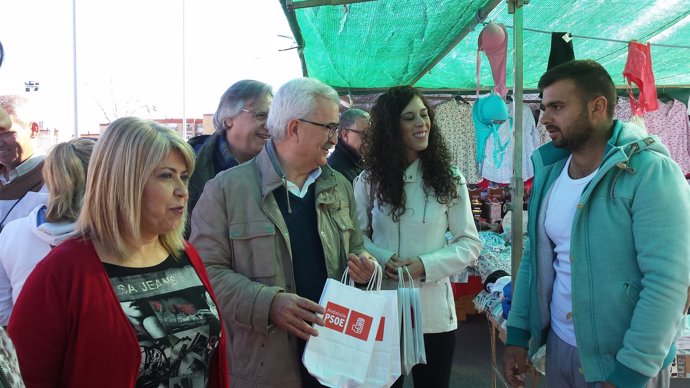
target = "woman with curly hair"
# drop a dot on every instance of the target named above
(407, 198)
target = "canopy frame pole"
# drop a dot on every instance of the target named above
(318, 3)
(74, 71)
(288, 9)
(518, 185)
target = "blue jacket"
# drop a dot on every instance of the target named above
(629, 255)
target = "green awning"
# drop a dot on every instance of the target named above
(370, 45)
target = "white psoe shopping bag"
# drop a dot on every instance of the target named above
(339, 356)
(419, 347)
(384, 367)
(412, 350)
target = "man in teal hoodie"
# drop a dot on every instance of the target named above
(604, 280)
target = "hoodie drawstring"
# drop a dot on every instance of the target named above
(287, 194)
(271, 151)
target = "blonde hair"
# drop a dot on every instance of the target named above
(123, 160)
(64, 173)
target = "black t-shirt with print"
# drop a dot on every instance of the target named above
(175, 320)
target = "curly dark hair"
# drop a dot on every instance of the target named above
(384, 154)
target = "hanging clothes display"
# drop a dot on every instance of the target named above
(544, 136)
(454, 119)
(638, 69)
(669, 122)
(493, 40)
(561, 49)
(623, 111)
(499, 168)
(488, 113)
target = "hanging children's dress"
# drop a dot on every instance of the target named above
(454, 119)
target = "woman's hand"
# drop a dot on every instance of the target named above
(391, 269)
(415, 266)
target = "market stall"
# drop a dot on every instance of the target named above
(363, 47)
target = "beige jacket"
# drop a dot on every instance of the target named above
(243, 240)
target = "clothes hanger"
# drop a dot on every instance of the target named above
(460, 98)
(665, 98)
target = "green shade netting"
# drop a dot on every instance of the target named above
(383, 43)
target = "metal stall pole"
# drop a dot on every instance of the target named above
(74, 69)
(518, 186)
(184, 79)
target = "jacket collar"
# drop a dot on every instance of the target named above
(347, 150)
(412, 172)
(224, 158)
(630, 138)
(272, 175)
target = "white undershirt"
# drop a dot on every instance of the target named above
(560, 212)
(301, 193)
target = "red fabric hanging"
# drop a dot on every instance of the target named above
(638, 69)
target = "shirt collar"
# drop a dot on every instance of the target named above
(310, 179)
(24, 168)
(411, 172)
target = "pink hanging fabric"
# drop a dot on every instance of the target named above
(493, 40)
(638, 70)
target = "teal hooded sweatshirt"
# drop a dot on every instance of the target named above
(630, 260)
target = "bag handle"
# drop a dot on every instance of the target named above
(401, 278)
(374, 283)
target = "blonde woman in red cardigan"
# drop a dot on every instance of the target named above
(128, 302)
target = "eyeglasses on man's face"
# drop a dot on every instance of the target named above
(258, 116)
(360, 132)
(332, 128)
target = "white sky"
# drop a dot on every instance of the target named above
(129, 54)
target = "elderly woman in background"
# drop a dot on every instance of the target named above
(127, 303)
(26, 241)
(407, 198)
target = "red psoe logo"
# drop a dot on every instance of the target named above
(359, 325)
(335, 316)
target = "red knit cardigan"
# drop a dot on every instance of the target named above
(70, 330)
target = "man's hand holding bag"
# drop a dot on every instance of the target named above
(340, 355)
